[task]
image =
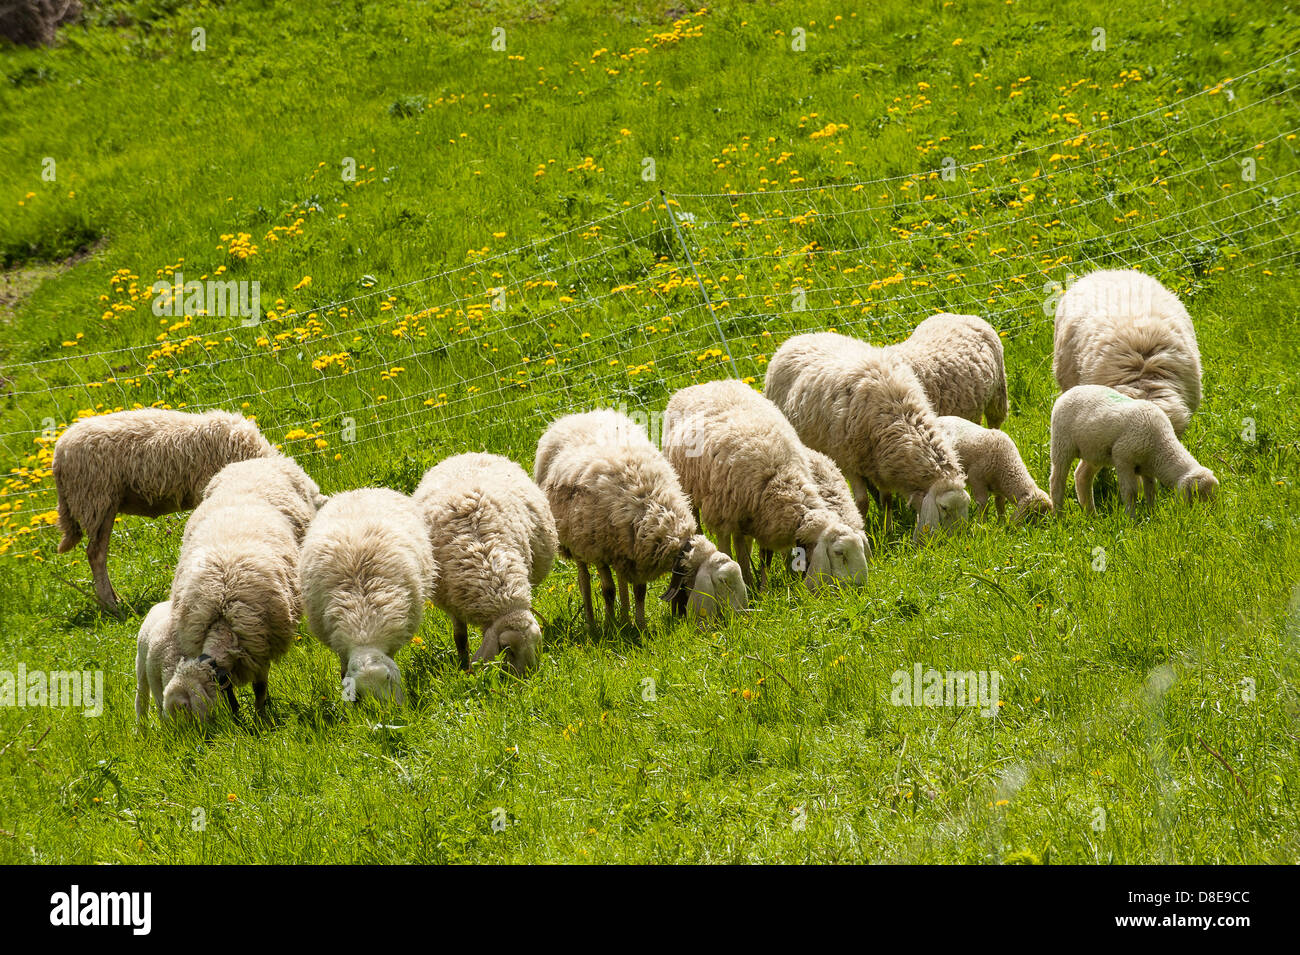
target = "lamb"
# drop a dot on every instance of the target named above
(1106, 428)
(994, 468)
(148, 462)
(494, 539)
(366, 571)
(1124, 329)
(869, 414)
(156, 657)
(835, 492)
(618, 504)
(744, 467)
(235, 596)
(958, 360)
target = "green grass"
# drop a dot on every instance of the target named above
(1122, 689)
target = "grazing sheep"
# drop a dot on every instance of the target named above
(1105, 428)
(366, 570)
(235, 597)
(868, 412)
(147, 462)
(958, 360)
(494, 539)
(835, 492)
(1124, 329)
(156, 657)
(745, 468)
(618, 504)
(277, 480)
(994, 468)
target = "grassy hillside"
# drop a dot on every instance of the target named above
(456, 242)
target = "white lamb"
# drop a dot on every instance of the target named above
(494, 539)
(148, 462)
(868, 412)
(618, 504)
(156, 657)
(745, 469)
(1105, 428)
(958, 360)
(366, 571)
(235, 596)
(995, 469)
(1125, 330)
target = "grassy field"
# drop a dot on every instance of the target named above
(455, 219)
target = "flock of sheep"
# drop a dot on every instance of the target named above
(840, 424)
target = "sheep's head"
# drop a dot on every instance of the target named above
(191, 691)
(941, 508)
(1033, 507)
(704, 581)
(839, 553)
(374, 674)
(518, 635)
(1199, 484)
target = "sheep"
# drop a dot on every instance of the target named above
(494, 539)
(744, 467)
(156, 657)
(365, 571)
(618, 504)
(868, 413)
(835, 492)
(235, 595)
(958, 360)
(147, 462)
(1124, 329)
(994, 468)
(277, 480)
(1106, 428)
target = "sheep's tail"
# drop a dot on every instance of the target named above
(67, 523)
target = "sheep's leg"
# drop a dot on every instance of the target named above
(261, 695)
(97, 555)
(1084, 475)
(638, 593)
(622, 601)
(460, 632)
(607, 591)
(1128, 487)
(764, 560)
(1063, 455)
(584, 585)
(979, 494)
(762, 567)
(1000, 503)
(1149, 490)
(742, 556)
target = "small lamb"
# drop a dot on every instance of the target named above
(1124, 329)
(994, 468)
(156, 657)
(366, 571)
(494, 540)
(148, 462)
(618, 504)
(1108, 429)
(745, 469)
(958, 360)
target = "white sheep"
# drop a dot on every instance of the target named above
(958, 360)
(147, 462)
(1123, 329)
(366, 570)
(835, 493)
(868, 412)
(235, 596)
(277, 480)
(1105, 428)
(156, 657)
(494, 539)
(745, 470)
(618, 504)
(995, 469)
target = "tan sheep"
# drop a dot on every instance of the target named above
(156, 657)
(148, 462)
(958, 360)
(995, 469)
(366, 571)
(744, 468)
(835, 493)
(1124, 329)
(494, 539)
(867, 411)
(1105, 428)
(235, 597)
(618, 504)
